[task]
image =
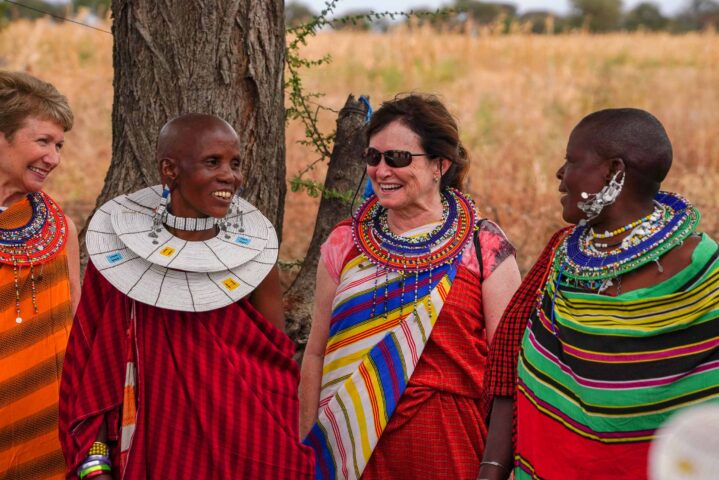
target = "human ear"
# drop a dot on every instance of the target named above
(616, 165)
(168, 170)
(442, 166)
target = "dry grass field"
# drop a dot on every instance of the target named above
(516, 98)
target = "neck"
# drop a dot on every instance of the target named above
(621, 215)
(10, 195)
(198, 236)
(403, 220)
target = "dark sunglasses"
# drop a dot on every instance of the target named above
(393, 158)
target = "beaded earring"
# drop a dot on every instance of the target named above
(159, 214)
(594, 203)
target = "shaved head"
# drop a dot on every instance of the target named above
(199, 160)
(635, 136)
(179, 137)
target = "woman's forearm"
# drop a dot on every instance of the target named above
(309, 392)
(497, 461)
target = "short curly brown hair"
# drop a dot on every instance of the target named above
(23, 96)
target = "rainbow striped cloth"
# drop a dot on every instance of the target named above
(591, 396)
(376, 338)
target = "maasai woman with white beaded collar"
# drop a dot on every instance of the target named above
(177, 365)
(625, 329)
(409, 293)
(39, 277)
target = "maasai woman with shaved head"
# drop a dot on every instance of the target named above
(625, 329)
(177, 365)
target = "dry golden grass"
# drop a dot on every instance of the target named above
(516, 99)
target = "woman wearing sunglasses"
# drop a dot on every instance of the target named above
(409, 293)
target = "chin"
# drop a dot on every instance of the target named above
(391, 200)
(33, 187)
(389, 204)
(574, 219)
(571, 217)
(219, 213)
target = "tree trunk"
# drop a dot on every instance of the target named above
(222, 57)
(343, 174)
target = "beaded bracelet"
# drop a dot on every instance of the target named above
(97, 468)
(95, 474)
(99, 448)
(101, 458)
(494, 464)
(96, 463)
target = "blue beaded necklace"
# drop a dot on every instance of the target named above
(20, 236)
(592, 269)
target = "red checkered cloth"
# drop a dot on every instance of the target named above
(501, 376)
(217, 391)
(438, 429)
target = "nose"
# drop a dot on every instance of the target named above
(382, 169)
(227, 174)
(52, 158)
(560, 172)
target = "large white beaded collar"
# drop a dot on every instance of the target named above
(176, 274)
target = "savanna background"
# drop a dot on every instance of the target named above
(517, 86)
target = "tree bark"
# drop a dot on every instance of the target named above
(343, 174)
(222, 57)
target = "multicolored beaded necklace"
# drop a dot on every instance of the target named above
(424, 254)
(373, 238)
(671, 223)
(35, 243)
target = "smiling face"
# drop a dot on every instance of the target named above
(206, 177)
(27, 159)
(583, 171)
(409, 188)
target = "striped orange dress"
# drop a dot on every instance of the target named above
(31, 353)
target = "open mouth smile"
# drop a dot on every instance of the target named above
(389, 187)
(39, 171)
(222, 194)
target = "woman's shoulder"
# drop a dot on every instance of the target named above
(490, 230)
(335, 249)
(341, 233)
(495, 244)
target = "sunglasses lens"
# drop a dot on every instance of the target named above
(397, 158)
(372, 157)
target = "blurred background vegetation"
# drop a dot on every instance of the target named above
(591, 15)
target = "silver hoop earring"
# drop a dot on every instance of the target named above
(594, 203)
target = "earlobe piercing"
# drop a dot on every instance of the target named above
(595, 202)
